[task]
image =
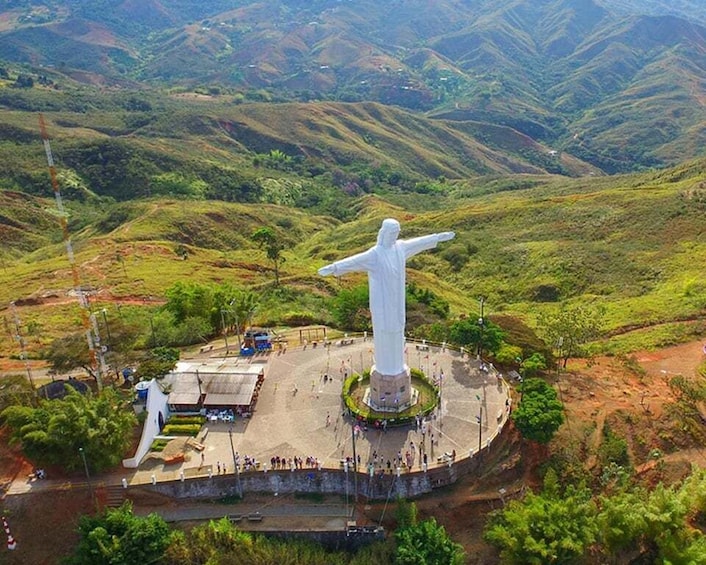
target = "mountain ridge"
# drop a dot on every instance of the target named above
(544, 68)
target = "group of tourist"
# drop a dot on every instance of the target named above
(295, 462)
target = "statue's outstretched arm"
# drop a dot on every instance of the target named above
(418, 244)
(360, 262)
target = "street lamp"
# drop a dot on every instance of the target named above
(481, 323)
(235, 463)
(480, 425)
(88, 476)
(154, 337)
(107, 327)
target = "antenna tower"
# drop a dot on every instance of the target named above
(87, 318)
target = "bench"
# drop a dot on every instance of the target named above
(234, 518)
(348, 341)
(179, 458)
(422, 348)
(255, 517)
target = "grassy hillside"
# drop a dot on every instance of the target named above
(633, 244)
(128, 145)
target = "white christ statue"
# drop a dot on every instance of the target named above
(385, 265)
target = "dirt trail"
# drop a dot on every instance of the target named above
(681, 359)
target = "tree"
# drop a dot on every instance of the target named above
(426, 543)
(266, 238)
(159, 362)
(71, 352)
(237, 308)
(570, 327)
(532, 365)
(656, 525)
(351, 309)
(24, 81)
(552, 527)
(15, 390)
(53, 432)
(189, 300)
(117, 536)
(469, 333)
(540, 414)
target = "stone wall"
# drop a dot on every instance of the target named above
(326, 481)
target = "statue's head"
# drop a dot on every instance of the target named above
(388, 232)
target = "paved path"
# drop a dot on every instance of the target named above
(299, 413)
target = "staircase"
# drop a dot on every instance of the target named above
(114, 496)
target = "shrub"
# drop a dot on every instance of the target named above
(181, 419)
(181, 429)
(159, 445)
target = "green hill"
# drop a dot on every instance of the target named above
(588, 78)
(633, 244)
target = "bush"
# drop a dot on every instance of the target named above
(613, 449)
(363, 412)
(181, 419)
(181, 429)
(159, 445)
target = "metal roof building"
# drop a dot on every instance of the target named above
(227, 384)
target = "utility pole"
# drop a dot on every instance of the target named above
(225, 332)
(21, 341)
(355, 470)
(109, 343)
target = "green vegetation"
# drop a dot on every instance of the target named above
(559, 524)
(187, 200)
(15, 390)
(471, 334)
(423, 541)
(159, 444)
(540, 414)
(494, 83)
(117, 536)
(60, 432)
(556, 526)
(183, 419)
(217, 542)
(180, 429)
(353, 391)
(267, 239)
(571, 327)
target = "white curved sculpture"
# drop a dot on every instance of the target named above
(385, 264)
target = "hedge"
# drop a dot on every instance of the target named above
(181, 429)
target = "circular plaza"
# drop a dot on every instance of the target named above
(300, 420)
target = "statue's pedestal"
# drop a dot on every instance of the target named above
(390, 393)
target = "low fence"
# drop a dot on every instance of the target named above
(379, 485)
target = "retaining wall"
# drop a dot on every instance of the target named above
(326, 481)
